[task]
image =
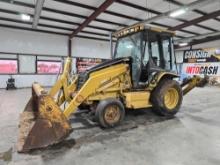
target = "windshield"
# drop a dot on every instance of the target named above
(130, 46)
(142, 47)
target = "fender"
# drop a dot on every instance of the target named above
(159, 76)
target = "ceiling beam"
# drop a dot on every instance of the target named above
(195, 10)
(30, 29)
(110, 12)
(84, 17)
(80, 16)
(197, 20)
(53, 26)
(58, 20)
(122, 15)
(134, 5)
(160, 13)
(200, 41)
(93, 16)
(191, 6)
(69, 29)
(95, 8)
(50, 32)
(204, 40)
(38, 7)
(167, 26)
(67, 13)
(202, 36)
(77, 24)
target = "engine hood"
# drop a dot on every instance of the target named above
(85, 75)
(109, 63)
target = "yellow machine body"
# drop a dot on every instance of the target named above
(107, 82)
(44, 123)
(136, 100)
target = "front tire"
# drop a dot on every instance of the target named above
(167, 98)
(110, 113)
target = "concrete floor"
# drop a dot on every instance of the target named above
(191, 138)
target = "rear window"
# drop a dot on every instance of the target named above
(49, 67)
(8, 66)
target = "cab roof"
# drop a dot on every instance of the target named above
(140, 27)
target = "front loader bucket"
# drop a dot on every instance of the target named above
(42, 123)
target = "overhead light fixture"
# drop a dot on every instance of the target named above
(178, 12)
(25, 17)
(183, 44)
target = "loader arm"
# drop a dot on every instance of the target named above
(63, 83)
(69, 88)
(91, 86)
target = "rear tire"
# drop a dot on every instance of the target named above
(110, 113)
(167, 98)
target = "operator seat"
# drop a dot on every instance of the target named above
(148, 69)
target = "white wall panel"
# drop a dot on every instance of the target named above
(19, 41)
(2, 55)
(27, 42)
(90, 48)
(27, 64)
(22, 81)
(179, 56)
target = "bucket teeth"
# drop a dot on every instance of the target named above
(42, 123)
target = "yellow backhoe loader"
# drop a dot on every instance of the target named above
(141, 74)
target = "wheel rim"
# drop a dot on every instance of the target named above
(171, 98)
(112, 114)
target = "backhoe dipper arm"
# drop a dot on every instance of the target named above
(193, 82)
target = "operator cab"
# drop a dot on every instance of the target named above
(151, 50)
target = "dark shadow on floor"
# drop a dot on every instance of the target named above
(86, 131)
